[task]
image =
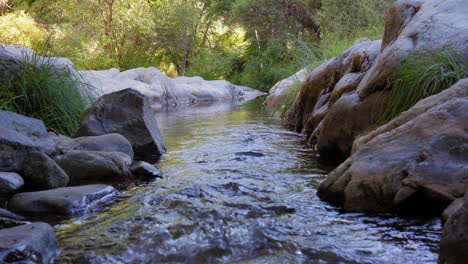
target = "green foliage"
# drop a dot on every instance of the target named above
(291, 98)
(45, 92)
(425, 73)
(18, 28)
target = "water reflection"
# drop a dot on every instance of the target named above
(239, 188)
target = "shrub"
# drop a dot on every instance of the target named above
(55, 95)
(425, 73)
(18, 28)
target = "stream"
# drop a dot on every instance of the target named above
(238, 188)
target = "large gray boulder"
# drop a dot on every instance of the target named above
(42, 173)
(10, 182)
(454, 243)
(30, 243)
(417, 163)
(19, 135)
(128, 113)
(68, 201)
(88, 167)
(105, 143)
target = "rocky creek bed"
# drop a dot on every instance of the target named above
(238, 187)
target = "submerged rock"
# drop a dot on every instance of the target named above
(10, 182)
(20, 135)
(68, 201)
(88, 167)
(416, 163)
(128, 113)
(29, 243)
(42, 173)
(105, 143)
(454, 243)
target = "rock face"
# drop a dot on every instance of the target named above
(30, 243)
(128, 113)
(417, 162)
(20, 135)
(344, 97)
(69, 201)
(87, 167)
(10, 182)
(454, 243)
(279, 94)
(42, 173)
(104, 143)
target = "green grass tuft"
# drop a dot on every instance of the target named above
(425, 73)
(52, 94)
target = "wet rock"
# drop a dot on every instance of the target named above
(41, 172)
(68, 201)
(128, 113)
(30, 243)
(279, 94)
(145, 171)
(87, 167)
(454, 243)
(7, 214)
(20, 135)
(105, 143)
(10, 182)
(250, 154)
(419, 166)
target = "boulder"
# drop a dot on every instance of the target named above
(128, 113)
(87, 167)
(104, 143)
(279, 94)
(454, 243)
(145, 171)
(313, 101)
(412, 25)
(30, 243)
(10, 182)
(20, 135)
(68, 201)
(347, 118)
(163, 91)
(41, 172)
(419, 166)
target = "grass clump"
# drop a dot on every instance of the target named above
(41, 90)
(425, 73)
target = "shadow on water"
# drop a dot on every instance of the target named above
(238, 188)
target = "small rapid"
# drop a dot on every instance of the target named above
(239, 188)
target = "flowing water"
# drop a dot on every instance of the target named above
(238, 188)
